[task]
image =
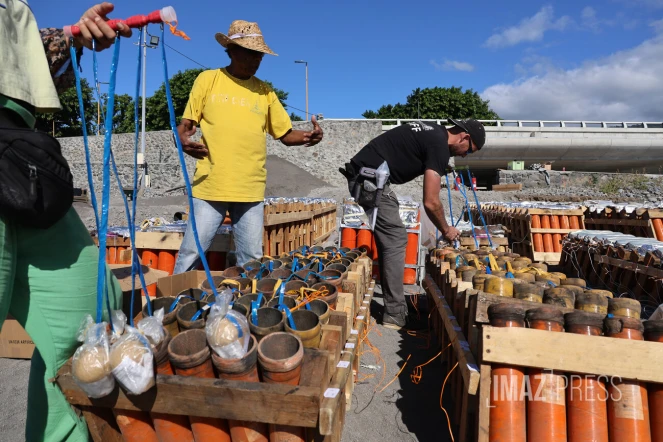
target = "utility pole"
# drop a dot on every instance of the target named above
(153, 44)
(305, 63)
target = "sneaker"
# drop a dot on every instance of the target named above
(395, 322)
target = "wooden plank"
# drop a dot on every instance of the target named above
(629, 265)
(173, 241)
(548, 257)
(569, 352)
(466, 362)
(346, 303)
(315, 370)
(101, 424)
(284, 218)
(617, 222)
(571, 212)
(507, 187)
(339, 319)
(484, 300)
(331, 342)
(333, 395)
(484, 404)
(251, 401)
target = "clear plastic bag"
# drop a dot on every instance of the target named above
(152, 328)
(119, 320)
(228, 334)
(132, 362)
(91, 361)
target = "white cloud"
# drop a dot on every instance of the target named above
(589, 19)
(624, 86)
(529, 29)
(451, 65)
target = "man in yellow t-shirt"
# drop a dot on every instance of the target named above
(235, 111)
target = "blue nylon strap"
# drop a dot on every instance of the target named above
(476, 199)
(90, 181)
(185, 173)
(451, 209)
(467, 207)
(105, 198)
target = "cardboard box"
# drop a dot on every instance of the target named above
(516, 165)
(547, 166)
(15, 341)
(123, 274)
(175, 284)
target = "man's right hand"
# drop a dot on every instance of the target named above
(451, 233)
(196, 150)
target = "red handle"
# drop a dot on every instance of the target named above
(136, 21)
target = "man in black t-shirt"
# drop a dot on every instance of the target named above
(410, 150)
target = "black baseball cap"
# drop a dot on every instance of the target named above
(474, 128)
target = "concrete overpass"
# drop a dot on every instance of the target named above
(596, 146)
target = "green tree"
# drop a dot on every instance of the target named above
(123, 116)
(157, 116)
(295, 117)
(437, 103)
(67, 121)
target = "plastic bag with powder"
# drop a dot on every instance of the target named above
(227, 330)
(132, 362)
(90, 364)
(152, 328)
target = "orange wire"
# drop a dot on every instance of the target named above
(397, 374)
(417, 371)
(443, 409)
(175, 31)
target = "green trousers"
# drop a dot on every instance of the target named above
(48, 282)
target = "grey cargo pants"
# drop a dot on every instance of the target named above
(391, 239)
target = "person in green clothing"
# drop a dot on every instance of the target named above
(48, 277)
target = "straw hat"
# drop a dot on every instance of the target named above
(245, 34)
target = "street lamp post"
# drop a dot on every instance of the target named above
(306, 64)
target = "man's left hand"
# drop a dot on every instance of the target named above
(315, 136)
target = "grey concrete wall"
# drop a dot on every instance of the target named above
(341, 141)
(612, 184)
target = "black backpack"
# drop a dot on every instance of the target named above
(36, 185)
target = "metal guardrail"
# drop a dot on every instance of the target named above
(528, 123)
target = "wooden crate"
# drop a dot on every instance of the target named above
(319, 403)
(461, 317)
(618, 270)
(640, 222)
(518, 222)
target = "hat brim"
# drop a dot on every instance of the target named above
(252, 43)
(457, 123)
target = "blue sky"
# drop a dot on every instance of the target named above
(592, 60)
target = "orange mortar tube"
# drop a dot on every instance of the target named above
(658, 228)
(557, 237)
(150, 258)
(374, 249)
(564, 222)
(166, 261)
(547, 237)
(169, 427)
(654, 332)
(111, 255)
(586, 395)
(628, 407)
(190, 355)
(537, 237)
(349, 238)
(136, 426)
(574, 221)
(365, 239)
(507, 399)
(411, 254)
(243, 369)
(546, 408)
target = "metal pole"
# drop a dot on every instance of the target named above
(306, 91)
(142, 140)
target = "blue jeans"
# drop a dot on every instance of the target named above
(247, 222)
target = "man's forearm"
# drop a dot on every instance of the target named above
(435, 212)
(295, 138)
